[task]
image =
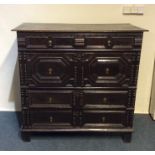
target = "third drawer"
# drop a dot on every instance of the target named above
(86, 99)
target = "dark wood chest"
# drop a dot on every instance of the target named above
(78, 77)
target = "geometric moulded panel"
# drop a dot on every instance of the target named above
(107, 70)
(51, 70)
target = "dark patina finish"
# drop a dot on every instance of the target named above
(78, 77)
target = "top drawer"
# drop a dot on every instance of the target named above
(79, 40)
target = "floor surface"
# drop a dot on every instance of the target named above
(143, 138)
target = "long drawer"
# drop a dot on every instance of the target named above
(79, 40)
(85, 118)
(83, 99)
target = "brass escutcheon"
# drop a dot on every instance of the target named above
(50, 42)
(107, 71)
(50, 99)
(104, 100)
(103, 119)
(51, 119)
(50, 71)
(109, 42)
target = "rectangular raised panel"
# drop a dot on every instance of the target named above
(51, 98)
(96, 42)
(36, 42)
(123, 42)
(63, 42)
(45, 41)
(110, 42)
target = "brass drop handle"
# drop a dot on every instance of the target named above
(50, 100)
(50, 43)
(51, 119)
(109, 42)
(107, 71)
(50, 71)
(103, 119)
(105, 100)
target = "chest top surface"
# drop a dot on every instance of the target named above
(55, 27)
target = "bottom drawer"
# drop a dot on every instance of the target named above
(96, 118)
(41, 118)
(50, 117)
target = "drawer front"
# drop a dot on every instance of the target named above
(100, 99)
(51, 98)
(79, 40)
(94, 118)
(50, 118)
(39, 118)
(41, 42)
(51, 70)
(110, 69)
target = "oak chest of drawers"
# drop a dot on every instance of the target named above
(78, 77)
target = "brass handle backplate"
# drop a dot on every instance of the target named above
(103, 119)
(107, 71)
(105, 100)
(50, 71)
(50, 99)
(51, 119)
(109, 42)
(50, 43)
